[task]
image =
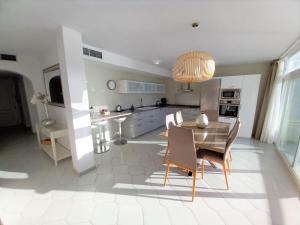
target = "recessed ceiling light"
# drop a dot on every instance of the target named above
(156, 61)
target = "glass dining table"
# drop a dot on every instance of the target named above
(213, 137)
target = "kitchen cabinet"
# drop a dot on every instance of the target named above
(143, 122)
(230, 120)
(232, 82)
(130, 86)
(249, 96)
(249, 85)
(187, 113)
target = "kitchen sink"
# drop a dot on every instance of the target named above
(147, 108)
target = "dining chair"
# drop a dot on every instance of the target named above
(212, 115)
(170, 121)
(182, 152)
(230, 132)
(217, 157)
(179, 119)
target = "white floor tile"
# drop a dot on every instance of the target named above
(127, 188)
(130, 214)
(105, 214)
(81, 211)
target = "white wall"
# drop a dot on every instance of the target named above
(97, 74)
(72, 68)
(30, 68)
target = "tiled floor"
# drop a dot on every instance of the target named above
(126, 188)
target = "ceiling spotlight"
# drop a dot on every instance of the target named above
(156, 62)
(195, 25)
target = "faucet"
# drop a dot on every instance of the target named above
(141, 102)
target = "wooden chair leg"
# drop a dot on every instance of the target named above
(228, 166)
(230, 156)
(202, 169)
(194, 185)
(166, 154)
(167, 172)
(225, 173)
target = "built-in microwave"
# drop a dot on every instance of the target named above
(230, 93)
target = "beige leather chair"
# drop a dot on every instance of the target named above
(170, 121)
(179, 119)
(230, 132)
(221, 158)
(182, 152)
(212, 115)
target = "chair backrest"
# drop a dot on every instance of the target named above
(212, 115)
(179, 118)
(234, 126)
(170, 121)
(182, 147)
(231, 137)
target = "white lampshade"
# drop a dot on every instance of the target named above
(194, 67)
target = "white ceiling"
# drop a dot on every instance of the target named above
(233, 31)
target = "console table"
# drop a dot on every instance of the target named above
(55, 150)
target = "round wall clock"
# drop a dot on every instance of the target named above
(111, 84)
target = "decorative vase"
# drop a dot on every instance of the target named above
(202, 120)
(47, 121)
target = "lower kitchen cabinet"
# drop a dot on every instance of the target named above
(230, 120)
(143, 122)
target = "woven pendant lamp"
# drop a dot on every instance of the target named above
(193, 67)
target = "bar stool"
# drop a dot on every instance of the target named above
(120, 141)
(103, 145)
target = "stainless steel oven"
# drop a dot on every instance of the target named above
(229, 110)
(230, 94)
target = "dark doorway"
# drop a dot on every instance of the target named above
(13, 102)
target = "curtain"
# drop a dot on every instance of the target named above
(269, 118)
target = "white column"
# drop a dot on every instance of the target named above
(69, 45)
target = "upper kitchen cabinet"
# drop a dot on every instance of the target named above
(129, 86)
(232, 82)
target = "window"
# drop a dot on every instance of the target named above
(289, 133)
(293, 63)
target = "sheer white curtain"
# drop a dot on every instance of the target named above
(272, 118)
